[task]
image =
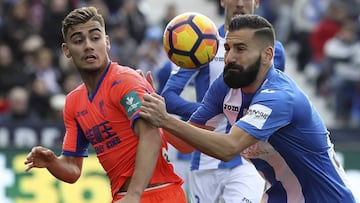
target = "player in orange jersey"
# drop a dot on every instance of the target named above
(104, 112)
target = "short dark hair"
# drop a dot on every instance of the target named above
(80, 16)
(263, 30)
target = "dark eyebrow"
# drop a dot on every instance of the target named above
(236, 44)
(240, 44)
(90, 31)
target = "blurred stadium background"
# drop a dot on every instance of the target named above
(39, 75)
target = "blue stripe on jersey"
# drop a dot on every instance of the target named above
(82, 144)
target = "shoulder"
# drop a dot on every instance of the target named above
(126, 79)
(124, 74)
(76, 93)
(277, 85)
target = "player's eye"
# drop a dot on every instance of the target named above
(240, 48)
(77, 40)
(95, 38)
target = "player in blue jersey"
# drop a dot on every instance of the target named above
(206, 180)
(276, 127)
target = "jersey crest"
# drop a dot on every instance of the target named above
(131, 102)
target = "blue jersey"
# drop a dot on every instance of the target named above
(294, 153)
(202, 79)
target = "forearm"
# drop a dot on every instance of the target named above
(178, 143)
(146, 158)
(218, 145)
(208, 142)
(64, 169)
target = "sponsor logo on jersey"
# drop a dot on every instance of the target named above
(220, 59)
(257, 115)
(131, 102)
(117, 82)
(267, 91)
(231, 108)
(81, 113)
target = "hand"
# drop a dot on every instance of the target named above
(153, 109)
(149, 78)
(39, 157)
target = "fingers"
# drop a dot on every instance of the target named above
(29, 167)
(29, 161)
(149, 78)
(38, 157)
(157, 96)
(153, 97)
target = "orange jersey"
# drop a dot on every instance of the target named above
(105, 119)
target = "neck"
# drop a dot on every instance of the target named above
(91, 78)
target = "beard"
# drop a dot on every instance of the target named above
(236, 76)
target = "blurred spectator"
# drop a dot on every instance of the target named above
(342, 59)
(36, 14)
(170, 12)
(17, 27)
(70, 82)
(132, 18)
(2, 15)
(336, 14)
(123, 47)
(268, 10)
(55, 11)
(19, 110)
(114, 6)
(151, 54)
(11, 73)
(57, 103)
(71, 76)
(39, 98)
(102, 7)
(306, 15)
(45, 70)
(283, 20)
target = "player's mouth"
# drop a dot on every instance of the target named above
(90, 58)
(239, 13)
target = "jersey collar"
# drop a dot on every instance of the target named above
(91, 96)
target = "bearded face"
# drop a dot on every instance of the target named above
(237, 76)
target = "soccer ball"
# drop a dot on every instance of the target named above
(191, 40)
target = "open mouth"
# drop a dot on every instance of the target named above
(90, 58)
(239, 13)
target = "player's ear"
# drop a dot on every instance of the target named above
(65, 49)
(267, 54)
(257, 4)
(222, 3)
(107, 41)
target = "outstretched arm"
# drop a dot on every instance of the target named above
(211, 143)
(64, 168)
